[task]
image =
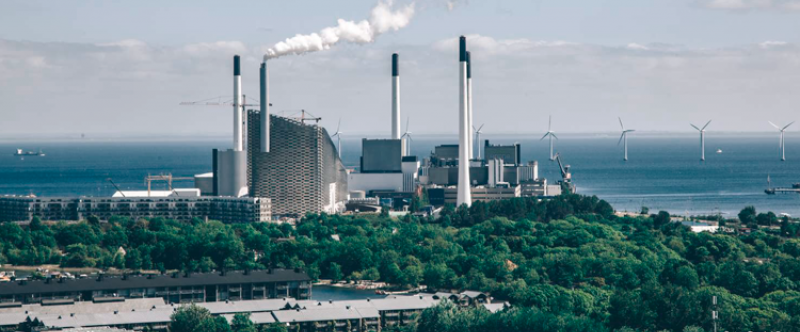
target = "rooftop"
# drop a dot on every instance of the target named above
(142, 281)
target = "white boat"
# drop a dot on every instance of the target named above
(719, 150)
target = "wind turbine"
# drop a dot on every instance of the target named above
(702, 140)
(407, 137)
(478, 133)
(624, 137)
(783, 141)
(551, 134)
(338, 136)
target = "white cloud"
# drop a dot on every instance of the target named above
(119, 87)
(790, 5)
(490, 45)
(635, 46)
(770, 43)
(215, 48)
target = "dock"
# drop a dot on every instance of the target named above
(795, 188)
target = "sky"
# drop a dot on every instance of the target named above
(121, 68)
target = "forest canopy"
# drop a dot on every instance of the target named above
(567, 263)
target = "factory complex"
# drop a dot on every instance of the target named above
(280, 168)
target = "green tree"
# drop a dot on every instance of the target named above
(336, 272)
(196, 319)
(748, 216)
(661, 219)
(242, 323)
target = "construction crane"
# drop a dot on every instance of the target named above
(219, 102)
(566, 176)
(115, 186)
(303, 117)
(162, 177)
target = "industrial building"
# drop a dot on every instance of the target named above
(225, 209)
(293, 164)
(385, 166)
(174, 288)
(302, 171)
(509, 153)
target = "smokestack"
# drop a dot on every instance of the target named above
(470, 142)
(464, 195)
(264, 128)
(395, 96)
(237, 105)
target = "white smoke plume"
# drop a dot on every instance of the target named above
(382, 19)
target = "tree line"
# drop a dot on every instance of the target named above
(566, 263)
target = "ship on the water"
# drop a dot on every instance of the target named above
(21, 153)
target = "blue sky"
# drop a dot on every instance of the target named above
(107, 66)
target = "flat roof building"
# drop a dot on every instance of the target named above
(175, 288)
(225, 209)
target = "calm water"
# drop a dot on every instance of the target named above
(663, 171)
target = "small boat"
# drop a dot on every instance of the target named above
(719, 150)
(21, 153)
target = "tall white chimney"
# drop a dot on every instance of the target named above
(395, 96)
(264, 125)
(464, 194)
(237, 105)
(470, 126)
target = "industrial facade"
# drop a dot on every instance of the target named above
(510, 154)
(381, 156)
(302, 171)
(225, 209)
(483, 193)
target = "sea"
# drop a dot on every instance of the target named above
(664, 171)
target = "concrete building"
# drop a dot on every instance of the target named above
(509, 153)
(528, 172)
(225, 209)
(533, 188)
(175, 288)
(483, 193)
(368, 182)
(381, 156)
(302, 171)
(410, 173)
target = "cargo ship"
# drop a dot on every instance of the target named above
(21, 153)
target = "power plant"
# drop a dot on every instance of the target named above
(281, 167)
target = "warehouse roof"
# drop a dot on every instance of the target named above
(107, 319)
(329, 314)
(88, 307)
(232, 307)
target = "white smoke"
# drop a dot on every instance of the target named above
(382, 19)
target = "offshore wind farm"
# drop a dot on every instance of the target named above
(663, 171)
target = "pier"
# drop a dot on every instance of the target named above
(795, 188)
